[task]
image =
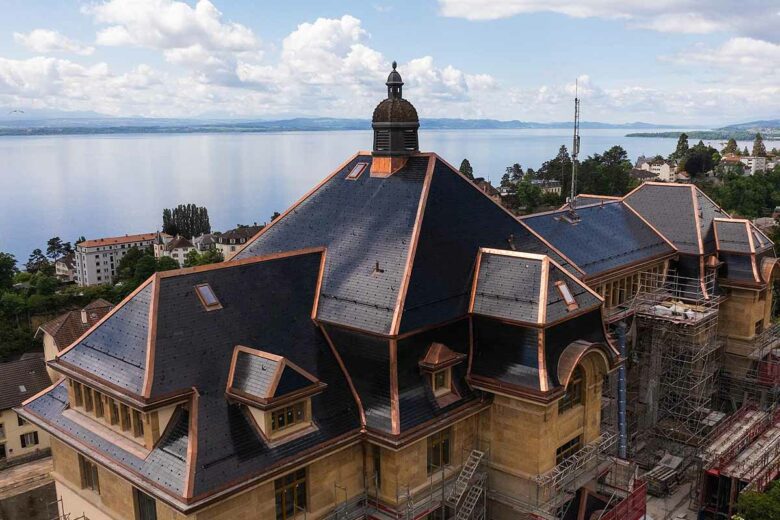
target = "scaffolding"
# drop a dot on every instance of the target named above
(751, 371)
(679, 354)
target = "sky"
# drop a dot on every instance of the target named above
(687, 62)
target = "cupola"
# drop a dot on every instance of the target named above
(395, 125)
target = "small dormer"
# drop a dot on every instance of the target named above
(438, 363)
(276, 391)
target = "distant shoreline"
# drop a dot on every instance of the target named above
(711, 135)
(87, 126)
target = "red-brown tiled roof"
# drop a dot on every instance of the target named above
(21, 379)
(110, 241)
(68, 327)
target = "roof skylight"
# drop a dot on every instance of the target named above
(567, 296)
(207, 297)
(356, 171)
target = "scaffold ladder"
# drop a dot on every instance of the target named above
(471, 502)
(465, 476)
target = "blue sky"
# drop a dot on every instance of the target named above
(669, 61)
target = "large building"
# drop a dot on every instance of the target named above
(97, 260)
(397, 345)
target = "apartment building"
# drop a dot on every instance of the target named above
(20, 380)
(396, 344)
(662, 170)
(65, 268)
(97, 260)
(231, 241)
(177, 248)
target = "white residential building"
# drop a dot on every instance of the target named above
(663, 170)
(97, 260)
(65, 268)
(231, 241)
(753, 164)
(177, 249)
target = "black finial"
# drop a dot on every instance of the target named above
(394, 64)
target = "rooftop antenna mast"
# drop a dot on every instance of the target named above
(575, 147)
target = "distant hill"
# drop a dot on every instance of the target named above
(18, 123)
(769, 129)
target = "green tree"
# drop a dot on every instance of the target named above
(7, 270)
(466, 169)
(144, 268)
(275, 216)
(605, 174)
(36, 262)
(54, 248)
(506, 181)
(760, 506)
(166, 263)
(187, 220)
(731, 147)
(745, 152)
(759, 148)
(210, 256)
(700, 159)
(529, 195)
(515, 173)
(682, 147)
(126, 267)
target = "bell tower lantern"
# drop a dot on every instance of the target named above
(395, 125)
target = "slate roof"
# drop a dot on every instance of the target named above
(371, 228)
(264, 302)
(178, 243)
(68, 327)
(512, 286)
(608, 236)
(21, 379)
(265, 376)
(674, 210)
(733, 235)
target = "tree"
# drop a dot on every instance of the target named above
(144, 268)
(126, 268)
(759, 148)
(745, 152)
(731, 147)
(210, 256)
(54, 248)
(187, 220)
(166, 263)
(506, 181)
(682, 147)
(760, 506)
(36, 262)
(515, 173)
(275, 216)
(700, 159)
(81, 239)
(466, 169)
(605, 174)
(529, 195)
(7, 270)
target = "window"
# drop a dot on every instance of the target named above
(124, 418)
(356, 171)
(99, 412)
(573, 395)
(89, 474)
(20, 420)
(285, 417)
(22, 389)
(2, 431)
(441, 382)
(138, 424)
(207, 297)
(2, 451)
(145, 506)
(759, 327)
(77, 393)
(567, 296)
(290, 494)
(567, 450)
(88, 402)
(29, 439)
(438, 450)
(376, 455)
(113, 411)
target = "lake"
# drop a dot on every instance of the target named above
(108, 185)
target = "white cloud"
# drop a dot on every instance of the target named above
(46, 41)
(169, 24)
(757, 18)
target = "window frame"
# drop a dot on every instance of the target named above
(140, 513)
(567, 295)
(439, 447)
(574, 393)
(567, 449)
(356, 171)
(446, 385)
(208, 306)
(90, 477)
(292, 482)
(33, 442)
(299, 413)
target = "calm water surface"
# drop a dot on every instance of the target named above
(104, 185)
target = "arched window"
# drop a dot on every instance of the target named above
(574, 392)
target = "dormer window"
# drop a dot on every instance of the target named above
(276, 391)
(438, 363)
(568, 297)
(356, 171)
(442, 382)
(207, 297)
